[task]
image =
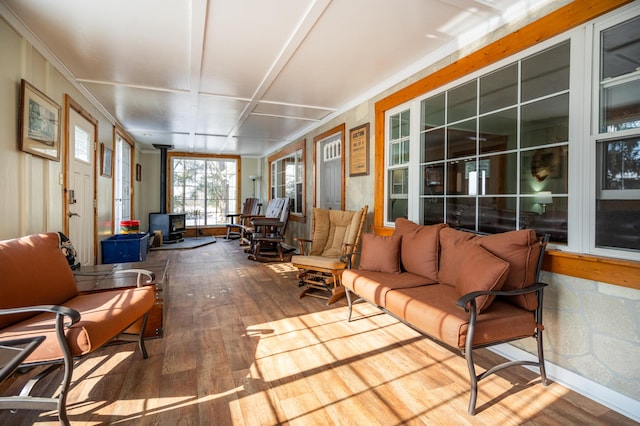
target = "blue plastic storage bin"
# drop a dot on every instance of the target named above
(125, 248)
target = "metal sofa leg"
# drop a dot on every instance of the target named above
(347, 292)
(473, 381)
(143, 327)
(468, 354)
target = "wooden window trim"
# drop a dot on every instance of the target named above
(613, 271)
(284, 152)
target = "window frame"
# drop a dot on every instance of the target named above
(119, 133)
(595, 136)
(286, 152)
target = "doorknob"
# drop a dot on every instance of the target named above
(72, 214)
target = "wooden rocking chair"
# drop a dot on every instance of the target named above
(335, 234)
(268, 236)
(250, 208)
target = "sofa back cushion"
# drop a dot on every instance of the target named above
(520, 248)
(34, 271)
(380, 253)
(332, 229)
(419, 247)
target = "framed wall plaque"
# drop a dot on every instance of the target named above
(39, 123)
(359, 150)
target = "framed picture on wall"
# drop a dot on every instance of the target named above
(106, 156)
(39, 127)
(138, 172)
(359, 150)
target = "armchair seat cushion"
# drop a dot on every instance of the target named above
(104, 315)
(433, 310)
(374, 286)
(317, 262)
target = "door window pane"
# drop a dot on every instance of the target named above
(546, 72)
(433, 112)
(499, 89)
(433, 145)
(461, 139)
(461, 102)
(618, 224)
(499, 131)
(545, 122)
(545, 169)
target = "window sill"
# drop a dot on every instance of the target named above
(608, 270)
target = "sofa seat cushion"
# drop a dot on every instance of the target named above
(374, 286)
(103, 315)
(432, 309)
(317, 262)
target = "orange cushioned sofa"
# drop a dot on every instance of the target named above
(39, 301)
(459, 288)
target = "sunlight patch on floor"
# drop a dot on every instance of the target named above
(281, 268)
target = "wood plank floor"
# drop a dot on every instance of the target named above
(241, 348)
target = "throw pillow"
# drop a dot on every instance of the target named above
(521, 250)
(450, 240)
(380, 254)
(419, 247)
(480, 270)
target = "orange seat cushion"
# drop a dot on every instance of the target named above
(103, 316)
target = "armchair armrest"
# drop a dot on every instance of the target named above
(266, 222)
(141, 273)
(463, 301)
(60, 311)
(304, 244)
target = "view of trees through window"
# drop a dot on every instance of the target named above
(204, 188)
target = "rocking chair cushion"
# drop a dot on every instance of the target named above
(380, 253)
(332, 229)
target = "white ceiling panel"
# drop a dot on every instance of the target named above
(217, 116)
(140, 109)
(243, 77)
(242, 42)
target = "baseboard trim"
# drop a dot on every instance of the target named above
(592, 390)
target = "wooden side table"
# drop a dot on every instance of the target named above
(90, 279)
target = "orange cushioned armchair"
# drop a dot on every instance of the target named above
(39, 302)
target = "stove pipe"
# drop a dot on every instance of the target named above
(163, 175)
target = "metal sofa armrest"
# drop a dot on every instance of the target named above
(463, 301)
(141, 273)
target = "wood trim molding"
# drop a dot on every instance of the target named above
(557, 22)
(620, 272)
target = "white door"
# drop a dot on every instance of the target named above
(80, 186)
(329, 177)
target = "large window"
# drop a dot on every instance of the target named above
(286, 177)
(524, 144)
(492, 151)
(122, 185)
(205, 188)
